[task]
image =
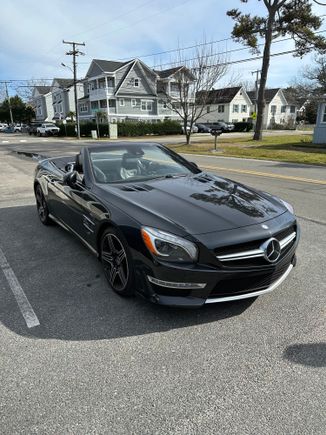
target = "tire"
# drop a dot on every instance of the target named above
(42, 207)
(117, 262)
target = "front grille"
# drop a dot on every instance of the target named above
(253, 245)
(243, 284)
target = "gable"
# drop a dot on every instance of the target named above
(278, 99)
(126, 78)
(94, 70)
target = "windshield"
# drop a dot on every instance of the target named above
(137, 163)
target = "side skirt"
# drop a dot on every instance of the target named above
(70, 230)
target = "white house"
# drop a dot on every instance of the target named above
(278, 109)
(63, 97)
(228, 105)
(42, 103)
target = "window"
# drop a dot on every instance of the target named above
(94, 105)
(273, 110)
(133, 103)
(208, 109)
(121, 102)
(111, 103)
(292, 109)
(174, 87)
(283, 109)
(103, 104)
(110, 82)
(165, 106)
(235, 108)
(136, 83)
(83, 107)
(221, 108)
(323, 116)
(244, 108)
(101, 84)
(146, 105)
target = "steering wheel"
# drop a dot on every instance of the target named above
(99, 175)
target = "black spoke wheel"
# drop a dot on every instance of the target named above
(117, 262)
(41, 205)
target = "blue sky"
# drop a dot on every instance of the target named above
(32, 33)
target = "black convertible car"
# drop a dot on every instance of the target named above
(166, 229)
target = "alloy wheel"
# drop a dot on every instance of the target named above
(115, 262)
(41, 205)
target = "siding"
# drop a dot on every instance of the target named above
(128, 88)
(127, 109)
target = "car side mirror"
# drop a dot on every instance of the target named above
(70, 179)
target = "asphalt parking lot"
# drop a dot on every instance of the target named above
(97, 363)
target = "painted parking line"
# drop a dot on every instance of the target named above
(22, 301)
(22, 140)
(5, 141)
(266, 174)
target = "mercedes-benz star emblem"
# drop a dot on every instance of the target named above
(272, 250)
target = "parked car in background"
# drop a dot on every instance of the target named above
(220, 125)
(20, 128)
(203, 128)
(194, 129)
(230, 126)
(3, 126)
(8, 129)
(47, 129)
(31, 129)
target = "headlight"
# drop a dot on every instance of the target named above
(287, 205)
(168, 246)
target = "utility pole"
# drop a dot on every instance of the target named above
(257, 81)
(74, 53)
(8, 99)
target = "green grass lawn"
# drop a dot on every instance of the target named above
(297, 148)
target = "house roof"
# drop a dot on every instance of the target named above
(269, 94)
(163, 74)
(109, 65)
(43, 89)
(63, 83)
(219, 96)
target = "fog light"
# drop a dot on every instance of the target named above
(183, 285)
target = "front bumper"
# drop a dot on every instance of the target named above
(221, 285)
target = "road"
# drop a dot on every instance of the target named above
(101, 364)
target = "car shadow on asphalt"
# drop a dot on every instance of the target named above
(308, 354)
(67, 289)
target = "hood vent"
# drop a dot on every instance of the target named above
(204, 178)
(136, 188)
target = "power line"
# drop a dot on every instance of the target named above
(138, 21)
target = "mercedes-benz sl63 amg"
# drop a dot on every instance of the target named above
(165, 229)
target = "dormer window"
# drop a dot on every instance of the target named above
(136, 83)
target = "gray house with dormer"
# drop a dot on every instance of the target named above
(125, 91)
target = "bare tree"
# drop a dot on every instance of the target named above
(316, 74)
(192, 80)
(25, 88)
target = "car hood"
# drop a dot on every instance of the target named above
(198, 204)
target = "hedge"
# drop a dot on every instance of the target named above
(125, 128)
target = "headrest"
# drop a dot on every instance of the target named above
(129, 161)
(79, 163)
